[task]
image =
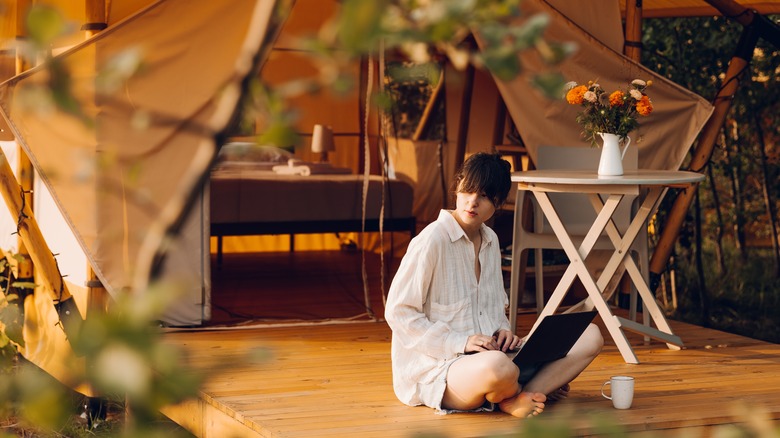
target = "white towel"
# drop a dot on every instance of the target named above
(286, 169)
(299, 167)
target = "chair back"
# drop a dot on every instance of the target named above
(575, 210)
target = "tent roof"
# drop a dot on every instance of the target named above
(693, 8)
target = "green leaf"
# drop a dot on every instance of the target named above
(360, 24)
(531, 30)
(504, 64)
(551, 84)
(24, 285)
(279, 134)
(44, 24)
(11, 318)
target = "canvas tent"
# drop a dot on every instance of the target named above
(120, 187)
(123, 193)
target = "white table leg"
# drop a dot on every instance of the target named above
(623, 245)
(514, 277)
(578, 268)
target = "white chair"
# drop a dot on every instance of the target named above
(577, 215)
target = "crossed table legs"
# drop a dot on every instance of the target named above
(597, 289)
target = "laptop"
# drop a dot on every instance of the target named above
(553, 338)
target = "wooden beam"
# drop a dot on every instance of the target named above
(633, 32)
(29, 231)
(97, 295)
(95, 17)
(747, 17)
(465, 115)
(23, 167)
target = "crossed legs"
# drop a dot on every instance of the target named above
(557, 375)
(492, 376)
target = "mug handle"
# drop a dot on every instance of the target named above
(602, 390)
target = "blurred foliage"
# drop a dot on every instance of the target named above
(419, 34)
(127, 363)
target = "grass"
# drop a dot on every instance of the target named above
(75, 415)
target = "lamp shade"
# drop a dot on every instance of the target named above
(322, 139)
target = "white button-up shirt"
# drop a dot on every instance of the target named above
(435, 303)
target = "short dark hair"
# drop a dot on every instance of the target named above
(487, 173)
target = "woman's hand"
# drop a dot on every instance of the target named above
(477, 343)
(506, 340)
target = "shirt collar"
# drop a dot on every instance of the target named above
(455, 231)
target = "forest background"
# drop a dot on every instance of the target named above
(726, 264)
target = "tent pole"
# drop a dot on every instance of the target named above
(747, 17)
(633, 33)
(97, 295)
(738, 67)
(465, 114)
(24, 268)
(362, 87)
(632, 48)
(95, 17)
(40, 253)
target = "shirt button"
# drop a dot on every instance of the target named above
(480, 313)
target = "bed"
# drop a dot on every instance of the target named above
(250, 198)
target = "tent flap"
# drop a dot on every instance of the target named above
(663, 138)
(123, 182)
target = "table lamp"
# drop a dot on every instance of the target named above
(322, 141)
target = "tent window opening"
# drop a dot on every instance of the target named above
(417, 106)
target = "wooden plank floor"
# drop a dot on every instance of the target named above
(334, 378)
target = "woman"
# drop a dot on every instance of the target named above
(447, 310)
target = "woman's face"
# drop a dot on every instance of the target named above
(473, 209)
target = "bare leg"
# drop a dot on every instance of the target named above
(489, 376)
(555, 376)
(559, 394)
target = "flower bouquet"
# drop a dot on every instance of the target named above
(614, 113)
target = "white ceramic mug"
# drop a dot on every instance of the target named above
(622, 390)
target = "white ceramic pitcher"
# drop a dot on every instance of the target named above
(611, 162)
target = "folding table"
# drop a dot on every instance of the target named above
(604, 193)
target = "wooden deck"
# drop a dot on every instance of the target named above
(333, 378)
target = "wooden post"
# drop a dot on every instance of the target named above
(97, 295)
(22, 6)
(766, 28)
(39, 251)
(633, 33)
(738, 66)
(632, 48)
(24, 170)
(95, 16)
(465, 114)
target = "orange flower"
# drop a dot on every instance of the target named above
(575, 96)
(616, 98)
(644, 106)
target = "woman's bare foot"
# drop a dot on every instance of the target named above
(559, 394)
(524, 404)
